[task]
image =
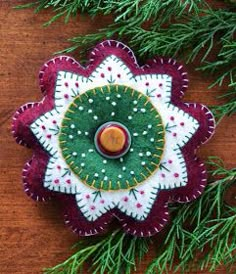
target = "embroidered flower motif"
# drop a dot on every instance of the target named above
(114, 140)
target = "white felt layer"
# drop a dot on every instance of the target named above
(46, 129)
(179, 128)
(155, 86)
(59, 177)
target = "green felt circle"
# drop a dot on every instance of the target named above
(112, 103)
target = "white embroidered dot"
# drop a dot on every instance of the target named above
(135, 134)
(95, 117)
(96, 175)
(74, 153)
(71, 136)
(130, 117)
(90, 111)
(81, 108)
(83, 155)
(149, 126)
(121, 160)
(143, 163)
(104, 161)
(135, 109)
(132, 172)
(90, 100)
(118, 96)
(144, 132)
(79, 132)
(123, 168)
(120, 176)
(90, 150)
(140, 154)
(148, 153)
(86, 133)
(107, 98)
(113, 103)
(135, 102)
(113, 114)
(72, 126)
(143, 110)
(82, 164)
(152, 140)
(105, 178)
(103, 170)
(131, 150)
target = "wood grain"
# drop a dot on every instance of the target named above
(33, 235)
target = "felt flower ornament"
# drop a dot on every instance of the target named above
(114, 140)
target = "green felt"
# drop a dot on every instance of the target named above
(80, 124)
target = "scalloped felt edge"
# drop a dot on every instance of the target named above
(33, 181)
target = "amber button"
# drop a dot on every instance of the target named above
(112, 139)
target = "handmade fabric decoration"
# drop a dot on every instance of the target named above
(114, 140)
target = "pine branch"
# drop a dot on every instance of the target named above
(112, 254)
(213, 230)
(133, 12)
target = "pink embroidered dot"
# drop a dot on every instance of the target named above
(174, 134)
(77, 84)
(87, 196)
(172, 118)
(102, 75)
(43, 127)
(118, 75)
(138, 205)
(170, 161)
(159, 95)
(102, 201)
(66, 84)
(160, 85)
(56, 181)
(59, 167)
(182, 124)
(54, 122)
(66, 96)
(126, 199)
(109, 68)
(141, 192)
(147, 84)
(176, 175)
(68, 181)
(163, 175)
(49, 136)
(92, 207)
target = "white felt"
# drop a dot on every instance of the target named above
(59, 177)
(46, 129)
(172, 171)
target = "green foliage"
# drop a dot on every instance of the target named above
(192, 30)
(205, 227)
(110, 254)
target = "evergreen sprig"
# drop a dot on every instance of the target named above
(111, 254)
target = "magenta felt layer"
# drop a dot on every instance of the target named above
(34, 170)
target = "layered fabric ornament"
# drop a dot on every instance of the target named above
(113, 140)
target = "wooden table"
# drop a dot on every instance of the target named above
(33, 235)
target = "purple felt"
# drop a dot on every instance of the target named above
(34, 170)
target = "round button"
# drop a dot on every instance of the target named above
(112, 140)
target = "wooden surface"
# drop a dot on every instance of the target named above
(32, 235)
